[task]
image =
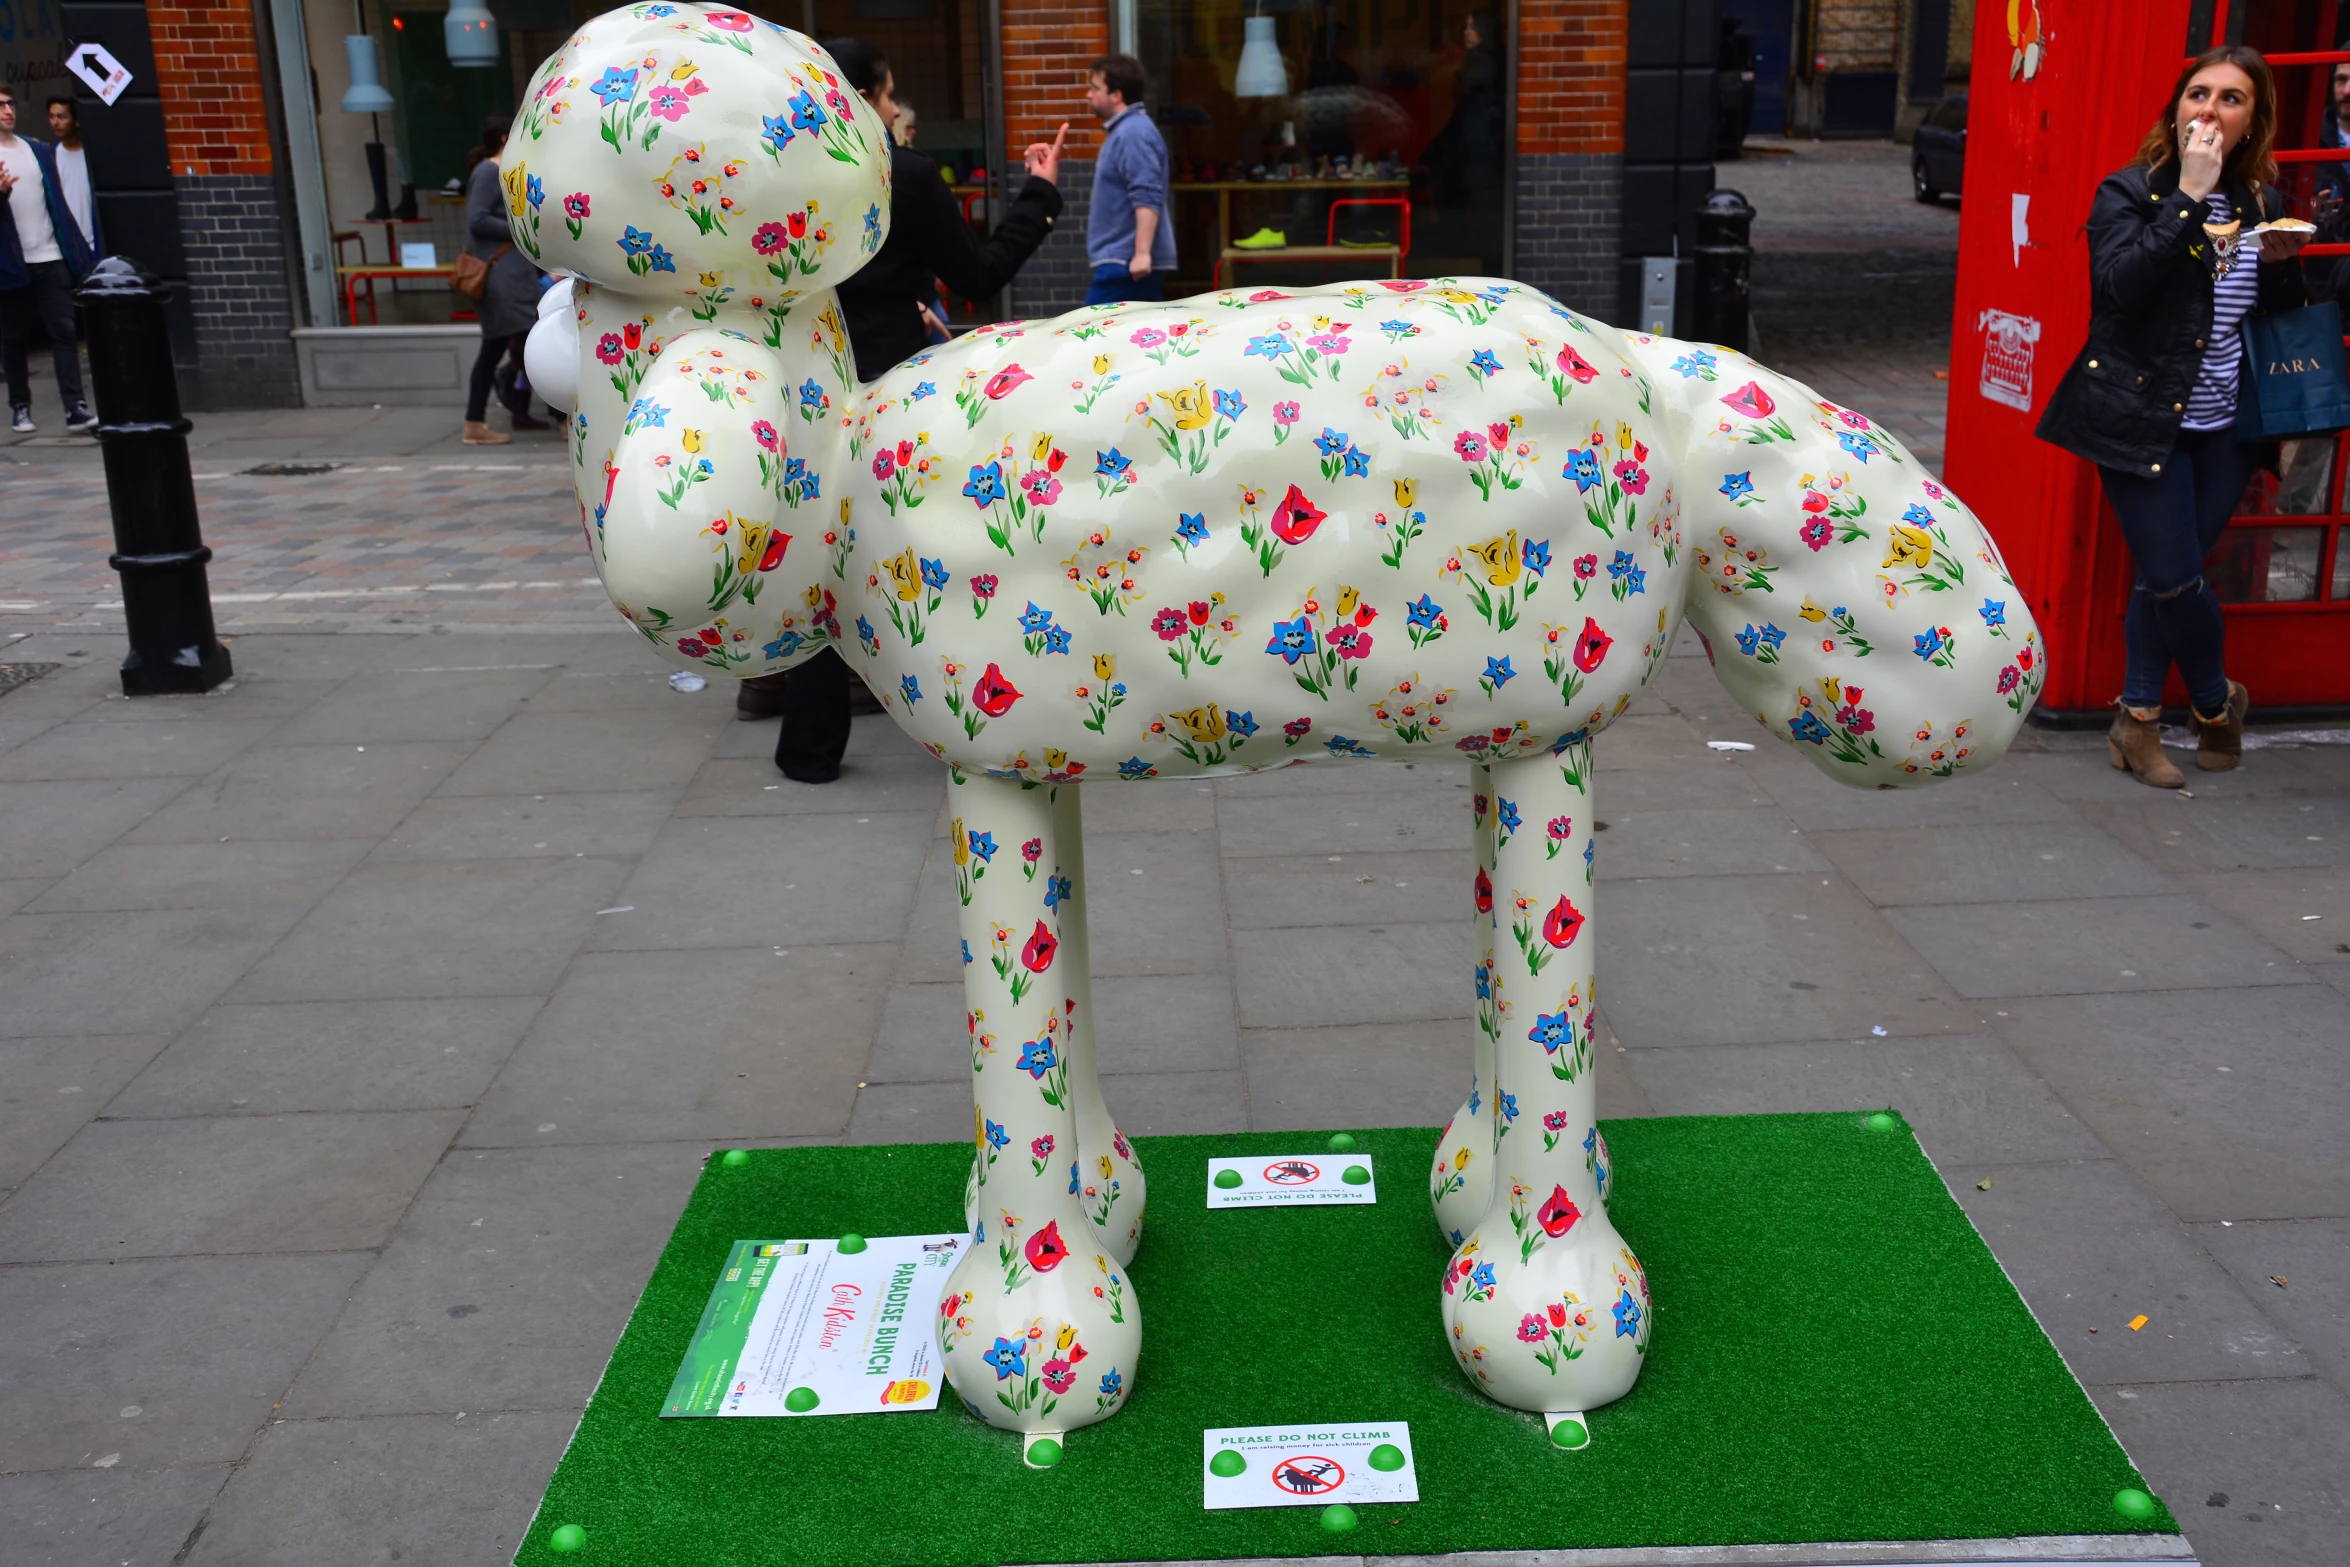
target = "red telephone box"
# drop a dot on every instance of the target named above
(2063, 91)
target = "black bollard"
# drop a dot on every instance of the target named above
(1724, 254)
(158, 545)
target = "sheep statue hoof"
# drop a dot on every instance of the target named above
(1441, 520)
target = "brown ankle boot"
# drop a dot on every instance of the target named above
(2136, 743)
(2220, 741)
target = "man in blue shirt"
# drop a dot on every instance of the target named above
(1127, 235)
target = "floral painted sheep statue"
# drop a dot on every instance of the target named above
(1443, 520)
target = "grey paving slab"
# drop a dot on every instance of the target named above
(2277, 907)
(69, 1517)
(507, 1284)
(180, 748)
(1754, 959)
(2228, 1104)
(311, 791)
(1663, 740)
(735, 881)
(1701, 843)
(50, 1087)
(2311, 829)
(48, 828)
(1815, 801)
(1716, 783)
(1417, 815)
(503, 826)
(2090, 1248)
(157, 1363)
(2003, 863)
(751, 786)
(454, 928)
(15, 731)
(1155, 903)
(247, 694)
(331, 1055)
(603, 750)
(80, 684)
(2252, 1470)
(910, 1113)
(697, 1045)
(920, 1036)
(455, 1493)
(2069, 945)
(1318, 773)
(382, 706)
(1275, 891)
(1313, 976)
(225, 1184)
(230, 876)
(2297, 1272)
(1383, 1074)
(1162, 805)
(932, 950)
(1142, 1023)
(1969, 1098)
(62, 973)
(17, 891)
(2078, 768)
(1171, 1104)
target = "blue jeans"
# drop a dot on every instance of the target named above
(1113, 283)
(2171, 520)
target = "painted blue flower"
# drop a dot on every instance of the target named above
(1191, 527)
(982, 845)
(1056, 639)
(614, 86)
(663, 261)
(1694, 363)
(1056, 890)
(1006, 1358)
(1231, 405)
(1748, 640)
(797, 475)
(1636, 580)
(1737, 485)
(1570, 739)
(1112, 465)
(912, 689)
(811, 395)
(1399, 329)
(804, 112)
(1036, 1057)
(1481, 1277)
(648, 414)
(1507, 1104)
(1627, 1313)
(1552, 1029)
(1034, 618)
(1994, 612)
(777, 130)
(1772, 637)
(1476, 1102)
(1807, 726)
(934, 573)
(1136, 767)
(1536, 554)
(1856, 443)
(1072, 1177)
(1271, 346)
(921, 390)
(658, 11)
(785, 645)
(1425, 612)
(1498, 672)
(1242, 725)
(1292, 639)
(1590, 853)
(966, 952)
(1340, 745)
(1483, 362)
(986, 484)
(997, 1137)
(1330, 442)
(1929, 643)
(1622, 565)
(1484, 981)
(865, 634)
(873, 228)
(635, 242)
(1583, 468)
(535, 188)
(1111, 1382)
(1505, 814)
(1591, 1143)
(1356, 464)
(1917, 515)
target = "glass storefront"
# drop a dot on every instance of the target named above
(1274, 110)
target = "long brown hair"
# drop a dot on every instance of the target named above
(2253, 160)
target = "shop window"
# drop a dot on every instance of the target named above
(2303, 485)
(2266, 565)
(1381, 99)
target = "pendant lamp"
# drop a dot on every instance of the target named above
(470, 33)
(366, 93)
(1262, 73)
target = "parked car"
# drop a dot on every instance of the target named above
(1937, 159)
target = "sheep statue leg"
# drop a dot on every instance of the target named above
(1462, 1184)
(1546, 1306)
(1040, 1325)
(1110, 1178)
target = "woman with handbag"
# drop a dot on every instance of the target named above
(506, 286)
(2152, 399)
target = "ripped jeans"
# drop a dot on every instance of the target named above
(2171, 520)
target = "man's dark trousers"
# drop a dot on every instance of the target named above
(48, 300)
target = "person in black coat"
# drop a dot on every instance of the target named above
(881, 305)
(2151, 399)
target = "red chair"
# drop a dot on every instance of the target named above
(1403, 206)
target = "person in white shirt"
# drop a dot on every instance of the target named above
(42, 256)
(73, 166)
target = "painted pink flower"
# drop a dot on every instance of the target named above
(1297, 728)
(670, 103)
(1470, 446)
(1168, 623)
(1032, 850)
(1632, 477)
(1403, 285)
(576, 204)
(1350, 641)
(729, 21)
(764, 434)
(1285, 413)
(1042, 1147)
(768, 239)
(1041, 487)
(608, 348)
(1559, 827)
(983, 586)
(885, 463)
(1265, 296)
(1817, 533)
(1532, 1331)
(1586, 567)
(1005, 381)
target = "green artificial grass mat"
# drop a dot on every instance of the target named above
(1836, 1356)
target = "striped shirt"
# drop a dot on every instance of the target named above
(2211, 405)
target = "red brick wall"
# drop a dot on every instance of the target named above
(214, 115)
(1571, 76)
(1047, 46)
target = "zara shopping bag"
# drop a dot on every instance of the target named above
(2296, 377)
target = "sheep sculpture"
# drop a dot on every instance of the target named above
(1444, 520)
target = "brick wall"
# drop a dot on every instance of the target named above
(1047, 46)
(1571, 57)
(1056, 277)
(214, 115)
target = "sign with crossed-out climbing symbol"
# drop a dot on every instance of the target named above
(1292, 1172)
(1309, 1475)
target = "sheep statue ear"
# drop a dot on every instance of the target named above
(551, 354)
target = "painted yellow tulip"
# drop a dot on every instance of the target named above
(1191, 405)
(1406, 492)
(1812, 612)
(750, 544)
(691, 440)
(905, 574)
(1833, 689)
(1066, 1337)
(713, 279)
(1623, 437)
(1205, 725)
(1107, 1167)
(1041, 449)
(962, 844)
(1101, 364)
(1908, 546)
(1105, 666)
(1055, 760)
(1500, 559)
(1348, 600)
(1460, 1160)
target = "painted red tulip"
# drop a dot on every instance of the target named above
(994, 695)
(1558, 1215)
(1037, 956)
(1562, 924)
(1296, 518)
(1045, 1248)
(1591, 645)
(1576, 367)
(1005, 380)
(1750, 400)
(1484, 891)
(775, 548)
